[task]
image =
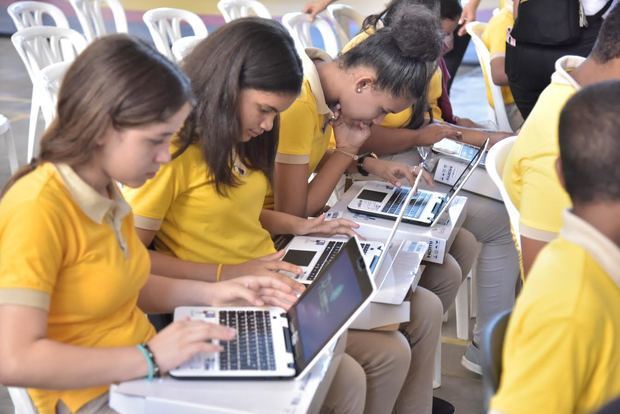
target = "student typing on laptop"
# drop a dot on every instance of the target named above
(202, 211)
(385, 74)
(74, 277)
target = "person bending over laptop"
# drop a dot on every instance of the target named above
(74, 277)
(561, 349)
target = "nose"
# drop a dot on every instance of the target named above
(163, 155)
(267, 123)
(378, 119)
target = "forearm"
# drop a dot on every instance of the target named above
(54, 365)
(170, 266)
(387, 141)
(277, 222)
(325, 181)
(163, 294)
(477, 136)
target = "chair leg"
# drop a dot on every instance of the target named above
(5, 131)
(437, 370)
(461, 307)
(473, 304)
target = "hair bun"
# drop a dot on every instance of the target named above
(417, 33)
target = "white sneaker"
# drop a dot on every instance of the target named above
(471, 359)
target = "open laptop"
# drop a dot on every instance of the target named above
(271, 343)
(312, 253)
(458, 150)
(426, 207)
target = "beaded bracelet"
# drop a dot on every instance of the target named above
(153, 368)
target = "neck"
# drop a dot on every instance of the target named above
(591, 71)
(603, 216)
(95, 177)
(330, 75)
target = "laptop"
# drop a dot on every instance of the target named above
(271, 343)
(458, 150)
(426, 207)
(312, 253)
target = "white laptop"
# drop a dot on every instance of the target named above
(458, 150)
(426, 207)
(271, 343)
(312, 253)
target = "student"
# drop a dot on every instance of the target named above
(529, 174)
(74, 277)
(202, 211)
(561, 349)
(486, 222)
(384, 74)
(494, 38)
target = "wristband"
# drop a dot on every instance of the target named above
(360, 162)
(153, 368)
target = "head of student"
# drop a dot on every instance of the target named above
(607, 46)
(589, 144)
(243, 75)
(450, 13)
(389, 71)
(118, 106)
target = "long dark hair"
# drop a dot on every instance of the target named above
(417, 26)
(245, 53)
(119, 82)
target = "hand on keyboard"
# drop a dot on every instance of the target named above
(277, 290)
(268, 265)
(321, 226)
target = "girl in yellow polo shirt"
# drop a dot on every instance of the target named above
(74, 277)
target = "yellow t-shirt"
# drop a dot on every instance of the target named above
(494, 37)
(529, 173)
(195, 223)
(401, 119)
(75, 254)
(304, 128)
(561, 348)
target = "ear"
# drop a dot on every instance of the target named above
(103, 138)
(363, 82)
(558, 170)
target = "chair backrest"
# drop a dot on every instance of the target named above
(30, 13)
(300, 28)
(184, 46)
(475, 29)
(42, 46)
(496, 159)
(21, 401)
(90, 15)
(343, 18)
(164, 25)
(491, 345)
(49, 80)
(234, 9)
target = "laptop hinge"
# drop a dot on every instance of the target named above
(287, 340)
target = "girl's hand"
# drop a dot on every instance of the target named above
(268, 265)
(437, 131)
(321, 226)
(396, 173)
(349, 135)
(182, 339)
(278, 290)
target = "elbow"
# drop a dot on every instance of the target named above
(9, 372)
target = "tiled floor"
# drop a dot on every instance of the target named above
(459, 386)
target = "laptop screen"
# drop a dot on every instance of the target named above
(339, 290)
(465, 174)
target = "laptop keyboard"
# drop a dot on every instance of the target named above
(415, 208)
(252, 349)
(332, 248)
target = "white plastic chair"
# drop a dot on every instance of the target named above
(235, 9)
(30, 13)
(21, 401)
(496, 159)
(90, 15)
(39, 47)
(184, 46)
(7, 134)
(299, 26)
(475, 30)
(48, 83)
(164, 25)
(342, 17)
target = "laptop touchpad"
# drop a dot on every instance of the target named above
(299, 257)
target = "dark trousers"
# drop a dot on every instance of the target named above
(529, 67)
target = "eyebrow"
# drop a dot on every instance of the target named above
(271, 108)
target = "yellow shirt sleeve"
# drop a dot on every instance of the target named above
(31, 239)
(297, 131)
(494, 36)
(151, 202)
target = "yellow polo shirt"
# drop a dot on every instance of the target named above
(561, 352)
(74, 254)
(195, 223)
(494, 37)
(401, 119)
(305, 130)
(529, 173)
